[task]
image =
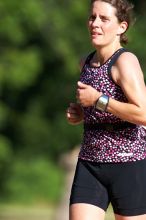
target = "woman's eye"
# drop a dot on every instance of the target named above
(92, 18)
(104, 19)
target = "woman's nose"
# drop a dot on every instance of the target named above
(96, 23)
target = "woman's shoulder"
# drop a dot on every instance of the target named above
(128, 66)
(127, 57)
(128, 63)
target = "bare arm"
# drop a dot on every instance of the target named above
(130, 78)
(128, 74)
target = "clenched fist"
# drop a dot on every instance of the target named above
(74, 114)
(87, 95)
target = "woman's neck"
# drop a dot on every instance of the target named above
(104, 53)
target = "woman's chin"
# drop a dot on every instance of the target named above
(96, 43)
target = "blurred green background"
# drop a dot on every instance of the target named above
(41, 42)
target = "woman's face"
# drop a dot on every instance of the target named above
(103, 24)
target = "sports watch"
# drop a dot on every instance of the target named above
(102, 103)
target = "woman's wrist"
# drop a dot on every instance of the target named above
(97, 96)
(102, 103)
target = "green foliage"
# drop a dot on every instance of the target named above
(137, 41)
(4, 113)
(35, 181)
(5, 160)
(20, 68)
(5, 151)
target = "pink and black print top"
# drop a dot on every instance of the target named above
(105, 145)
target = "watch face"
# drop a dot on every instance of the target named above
(102, 103)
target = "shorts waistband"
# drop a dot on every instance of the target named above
(109, 126)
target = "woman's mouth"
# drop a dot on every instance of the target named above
(95, 34)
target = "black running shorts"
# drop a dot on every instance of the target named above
(121, 184)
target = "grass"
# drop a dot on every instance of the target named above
(12, 212)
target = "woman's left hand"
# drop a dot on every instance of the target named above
(87, 95)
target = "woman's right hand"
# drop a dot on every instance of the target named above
(74, 114)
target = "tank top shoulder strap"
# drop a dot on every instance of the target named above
(89, 57)
(114, 58)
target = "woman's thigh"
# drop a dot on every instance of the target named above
(82, 211)
(128, 190)
(87, 188)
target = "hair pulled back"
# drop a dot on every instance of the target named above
(124, 12)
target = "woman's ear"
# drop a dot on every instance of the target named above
(122, 27)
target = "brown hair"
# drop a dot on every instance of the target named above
(124, 13)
